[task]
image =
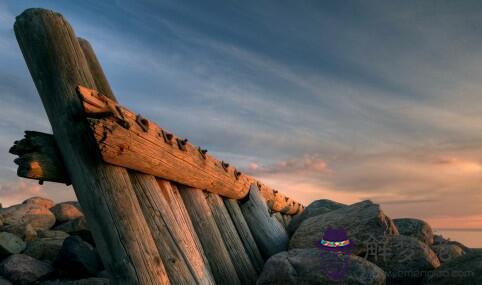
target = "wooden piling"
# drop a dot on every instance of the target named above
(185, 234)
(269, 234)
(241, 261)
(245, 234)
(57, 65)
(39, 158)
(211, 239)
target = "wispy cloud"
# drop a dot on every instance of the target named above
(348, 102)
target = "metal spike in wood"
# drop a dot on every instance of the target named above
(57, 65)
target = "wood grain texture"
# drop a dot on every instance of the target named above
(279, 218)
(244, 233)
(101, 82)
(241, 261)
(183, 231)
(211, 239)
(161, 221)
(286, 220)
(180, 254)
(125, 142)
(57, 65)
(269, 234)
(39, 158)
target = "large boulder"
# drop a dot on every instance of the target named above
(52, 234)
(45, 248)
(86, 281)
(439, 239)
(404, 259)
(39, 217)
(39, 201)
(24, 231)
(362, 221)
(318, 207)
(463, 270)
(415, 228)
(446, 251)
(78, 259)
(10, 244)
(23, 269)
(66, 211)
(76, 227)
(304, 267)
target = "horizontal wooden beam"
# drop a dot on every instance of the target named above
(127, 139)
(39, 158)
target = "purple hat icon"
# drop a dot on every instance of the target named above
(336, 240)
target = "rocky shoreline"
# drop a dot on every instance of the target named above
(46, 243)
(386, 251)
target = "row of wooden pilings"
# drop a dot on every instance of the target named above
(147, 230)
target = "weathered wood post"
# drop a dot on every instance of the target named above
(96, 70)
(269, 234)
(182, 259)
(211, 239)
(244, 233)
(38, 158)
(57, 65)
(184, 233)
(241, 261)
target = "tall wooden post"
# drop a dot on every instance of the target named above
(241, 261)
(184, 264)
(95, 68)
(244, 232)
(57, 65)
(269, 234)
(211, 239)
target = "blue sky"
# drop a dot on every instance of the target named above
(344, 100)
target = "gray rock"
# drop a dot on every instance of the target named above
(10, 244)
(362, 221)
(66, 211)
(404, 259)
(415, 228)
(39, 201)
(439, 239)
(87, 281)
(23, 269)
(76, 227)
(52, 234)
(39, 217)
(316, 208)
(304, 266)
(462, 270)
(446, 251)
(44, 248)
(78, 258)
(4, 281)
(23, 231)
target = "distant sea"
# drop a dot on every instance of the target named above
(470, 238)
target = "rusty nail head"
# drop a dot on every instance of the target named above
(202, 152)
(237, 174)
(166, 136)
(225, 165)
(181, 143)
(143, 123)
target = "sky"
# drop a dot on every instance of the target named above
(340, 100)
